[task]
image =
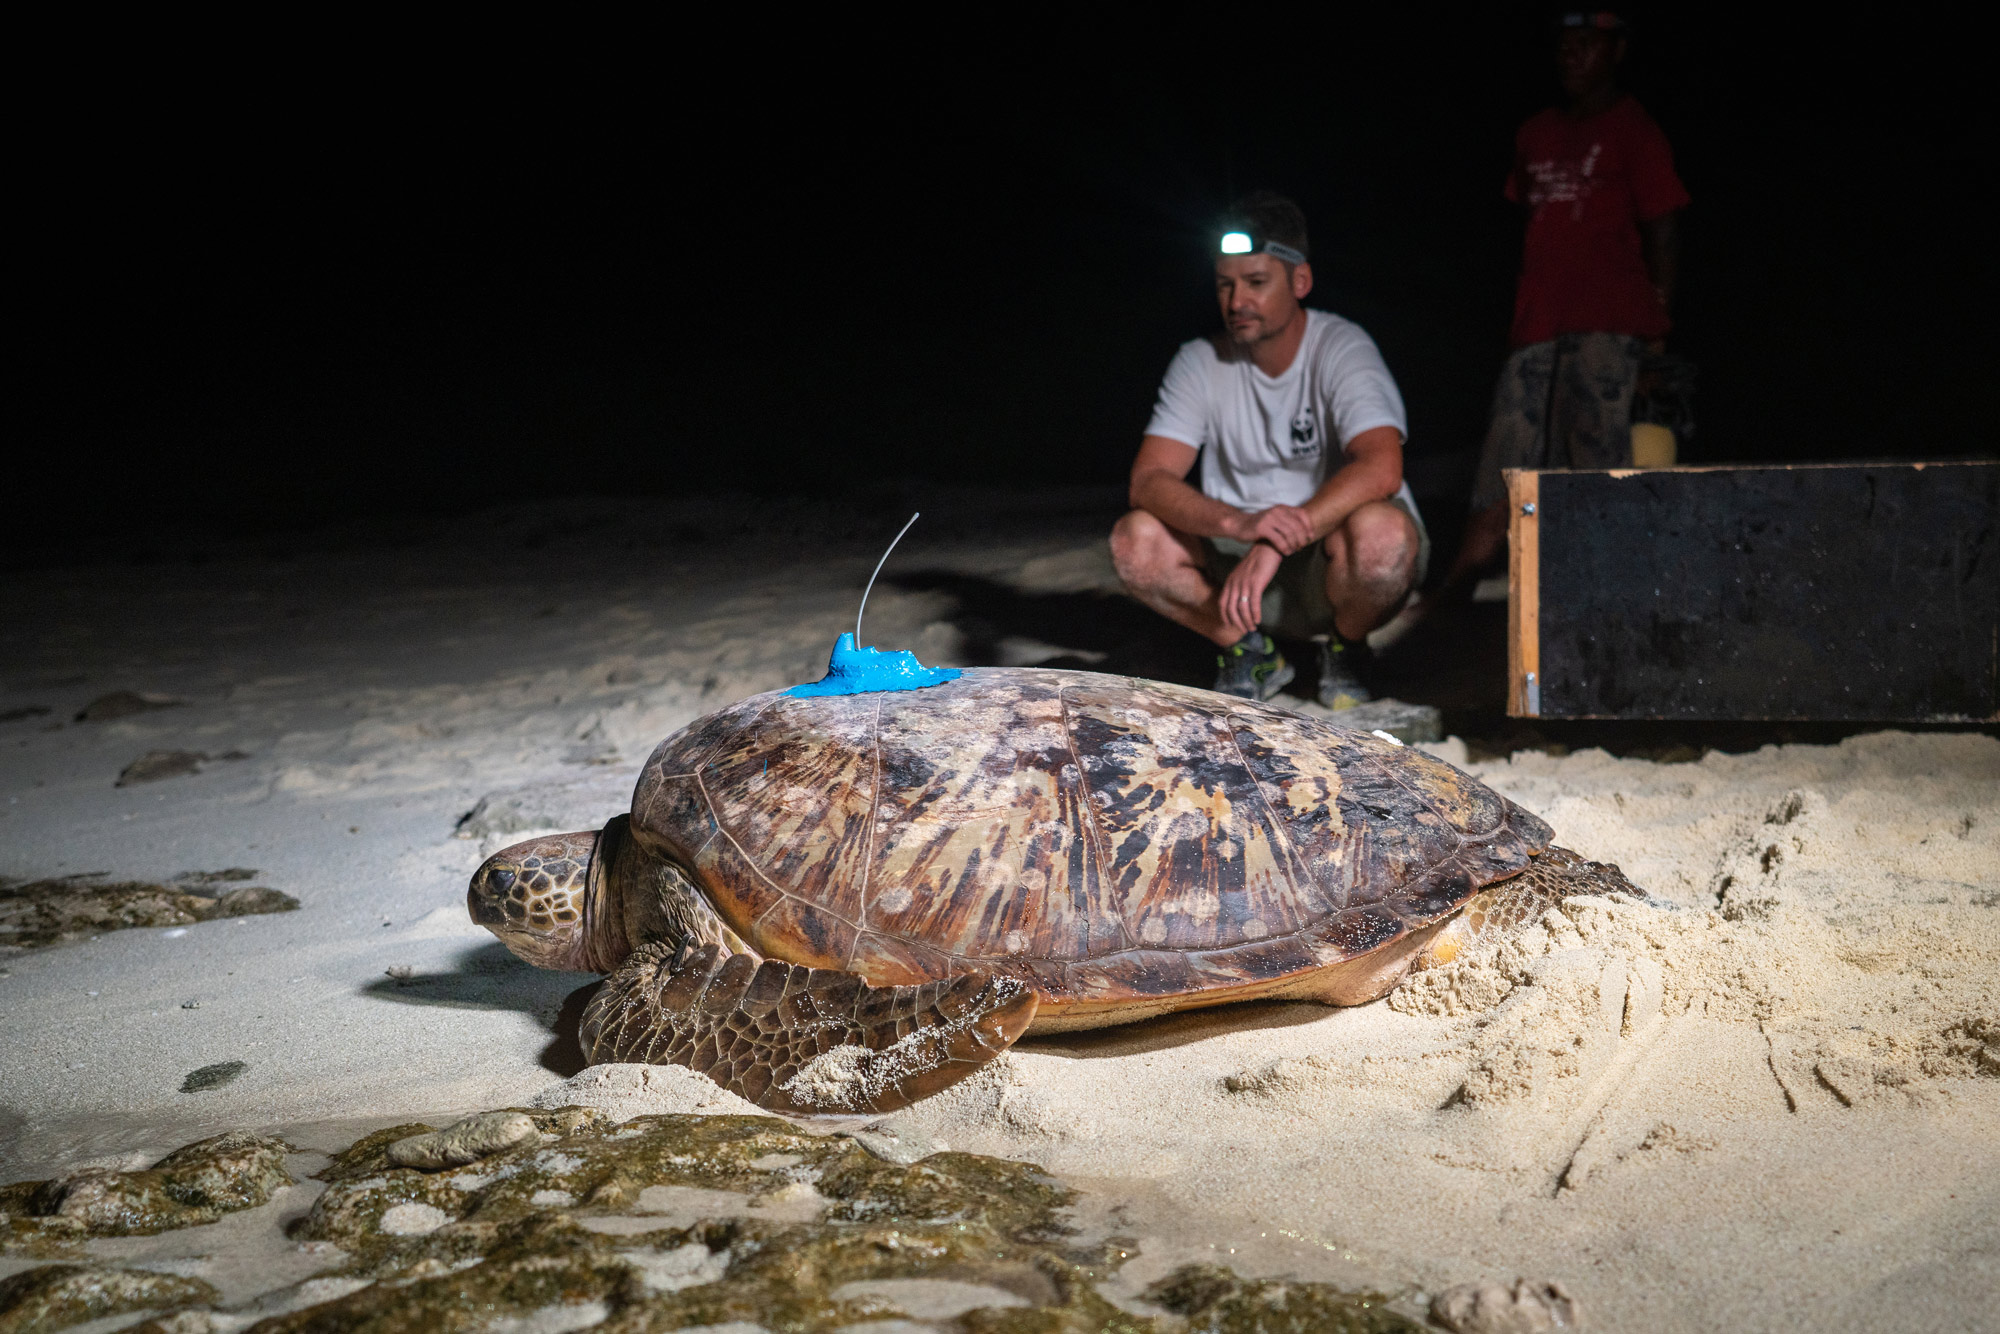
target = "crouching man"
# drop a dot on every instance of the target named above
(1302, 524)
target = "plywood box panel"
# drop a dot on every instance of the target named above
(1848, 591)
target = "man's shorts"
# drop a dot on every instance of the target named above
(1566, 403)
(1295, 603)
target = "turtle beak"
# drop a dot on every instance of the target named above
(489, 888)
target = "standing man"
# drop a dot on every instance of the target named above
(1597, 278)
(1302, 521)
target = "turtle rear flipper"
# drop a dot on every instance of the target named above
(796, 1039)
(1512, 905)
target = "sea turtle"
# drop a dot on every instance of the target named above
(845, 903)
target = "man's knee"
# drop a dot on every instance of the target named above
(1382, 543)
(1142, 548)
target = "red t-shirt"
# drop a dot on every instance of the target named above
(1588, 185)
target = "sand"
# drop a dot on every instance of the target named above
(1775, 1106)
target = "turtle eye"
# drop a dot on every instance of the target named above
(501, 879)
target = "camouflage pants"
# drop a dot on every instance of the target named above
(1566, 403)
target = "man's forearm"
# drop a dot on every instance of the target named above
(1178, 505)
(1360, 480)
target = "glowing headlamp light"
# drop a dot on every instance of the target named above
(1242, 243)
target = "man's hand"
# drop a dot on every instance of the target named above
(1286, 527)
(1241, 599)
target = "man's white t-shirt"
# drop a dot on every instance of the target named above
(1264, 439)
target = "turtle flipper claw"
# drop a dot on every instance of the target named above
(804, 1040)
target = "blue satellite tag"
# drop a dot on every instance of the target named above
(859, 671)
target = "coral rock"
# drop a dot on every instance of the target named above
(466, 1142)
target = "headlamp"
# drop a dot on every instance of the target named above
(1243, 243)
(1602, 20)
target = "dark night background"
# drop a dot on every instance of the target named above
(273, 292)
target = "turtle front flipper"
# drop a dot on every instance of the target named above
(1514, 904)
(796, 1039)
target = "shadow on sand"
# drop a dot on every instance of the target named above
(1170, 1031)
(564, 1054)
(488, 977)
(1104, 631)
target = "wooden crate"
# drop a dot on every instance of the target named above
(1836, 591)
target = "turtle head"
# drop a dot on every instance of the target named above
(583, 901)
(536, 897)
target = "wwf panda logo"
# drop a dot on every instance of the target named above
(1305, 435)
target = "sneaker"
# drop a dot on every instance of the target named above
(1339, 687)
(1252, 668)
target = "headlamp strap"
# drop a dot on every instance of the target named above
(1244, 243)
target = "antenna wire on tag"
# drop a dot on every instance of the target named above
(878, 569)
